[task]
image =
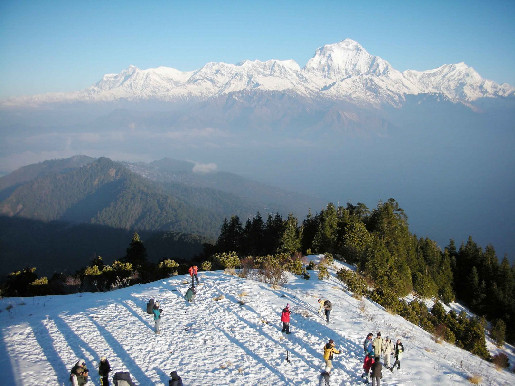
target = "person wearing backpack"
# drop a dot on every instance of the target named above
(79, 373)
(103, 370)
(176, 380)
(326, 306)
(157, 316)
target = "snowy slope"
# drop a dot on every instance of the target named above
(220, 342)
(339, 71)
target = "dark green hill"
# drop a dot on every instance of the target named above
(62, 247)
(106, 193)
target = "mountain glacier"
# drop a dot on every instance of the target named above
(343, 71)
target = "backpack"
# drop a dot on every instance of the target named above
(150, 306)
(328, 305)
(122, 378)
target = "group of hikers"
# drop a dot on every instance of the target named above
(79, 375)
(374, 348)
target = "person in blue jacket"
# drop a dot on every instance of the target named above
(157, 316)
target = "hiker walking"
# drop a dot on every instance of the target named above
(376, 373)
(326, 307)
(368, 347)
(285, 318)
(378, 346)
(193, 270)
(103, 370)
(157, 316)
(399, 349)
(79, 373)
(388, 351)
(329, 350)
(176, 380)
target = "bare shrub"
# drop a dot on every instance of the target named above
(501, 361)
(475, 379)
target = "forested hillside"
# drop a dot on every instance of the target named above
(387, 254)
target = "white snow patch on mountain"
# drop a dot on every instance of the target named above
(340, 71)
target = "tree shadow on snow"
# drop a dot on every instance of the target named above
(8, 376)
(124, 356)
(77, 345)
(139, 317)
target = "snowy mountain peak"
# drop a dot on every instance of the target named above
(339, 71)
(344, 59)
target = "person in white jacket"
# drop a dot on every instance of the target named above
(388, 351)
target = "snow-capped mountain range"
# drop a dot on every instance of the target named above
(342, 71)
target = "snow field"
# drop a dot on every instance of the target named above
(234, 340)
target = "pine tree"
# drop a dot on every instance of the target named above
(136, 253)
(290, 240)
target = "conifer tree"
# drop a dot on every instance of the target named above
(290, 240)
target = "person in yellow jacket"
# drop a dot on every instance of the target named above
(329, 350)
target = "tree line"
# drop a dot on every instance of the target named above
(388, 257)
(386, 253)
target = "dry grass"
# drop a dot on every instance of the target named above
(475, 379)
(220, 297)
(230, 271)
(244, 293)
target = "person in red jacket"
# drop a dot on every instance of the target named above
(285, 318)
(193, 270)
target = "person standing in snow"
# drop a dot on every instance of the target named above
(157, 316)
(388, 351)
(326, 307)
(193, 270)
(369, 355)
(376, 373)
(285, 318)
(329, 350)
(176, 380)
(378, 346)
(190, 294)
(103, 370)
(399, 349)
(79, 373)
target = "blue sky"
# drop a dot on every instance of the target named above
(48, 46)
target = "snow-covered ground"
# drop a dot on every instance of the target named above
(235, 340)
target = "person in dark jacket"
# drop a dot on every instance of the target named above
(399, 349)
(375, 373)
(103, 370)
(326, 306)
(285, 318)
(176, 380)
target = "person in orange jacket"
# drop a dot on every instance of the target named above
(193, 270)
